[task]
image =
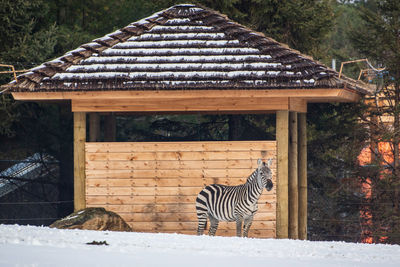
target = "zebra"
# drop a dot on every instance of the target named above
(233, 203)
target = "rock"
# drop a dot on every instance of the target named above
(93, 219)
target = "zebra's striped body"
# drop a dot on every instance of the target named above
(233, 203)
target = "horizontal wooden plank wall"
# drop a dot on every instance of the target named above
(153, 186)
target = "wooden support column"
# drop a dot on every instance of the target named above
(293, 178)
(79, 160)
(94, 127)
(110, 128)
(302, 164)
(282, 206)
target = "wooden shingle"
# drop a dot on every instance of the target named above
(184, 47)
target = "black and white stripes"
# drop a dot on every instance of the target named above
(233, 203)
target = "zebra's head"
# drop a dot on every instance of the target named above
(264, 174)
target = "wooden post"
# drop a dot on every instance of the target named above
(293, 178)
(302, 162)
(110, 128)
(79, 160)
(94, 127)
(282, 207)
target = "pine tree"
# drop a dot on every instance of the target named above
(378, 39)
(302, 25)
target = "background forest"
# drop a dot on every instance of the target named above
(34, 31)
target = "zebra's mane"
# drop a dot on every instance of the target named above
(252, 176)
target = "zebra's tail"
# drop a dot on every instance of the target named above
(201, 211)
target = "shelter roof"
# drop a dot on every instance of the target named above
(183, 47)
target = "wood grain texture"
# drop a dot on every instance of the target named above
(169, 164)
(153, 186)
(197, 104)
(293, 177)
(297, 104)
(132, 147)
(282, 139)
(169, 173)
(159, 199)
(314, 95)
(79, 160)
(302, 165)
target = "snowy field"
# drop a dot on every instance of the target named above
(43, 246)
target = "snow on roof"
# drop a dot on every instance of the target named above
(176, 43)
(178, 51)
(217, 59)
(170, 66)
(182, 44)
(177, 36)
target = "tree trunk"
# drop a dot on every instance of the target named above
(235, 127)
(110, 128)
(396, 162)
(62, 14)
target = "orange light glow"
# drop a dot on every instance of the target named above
(385, 150)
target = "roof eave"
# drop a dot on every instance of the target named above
(186, 101)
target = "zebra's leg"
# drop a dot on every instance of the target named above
(247, 223)
(202, 223)
(213, 225)
(239, 221)
(202, 218)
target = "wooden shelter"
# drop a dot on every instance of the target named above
(187, 59)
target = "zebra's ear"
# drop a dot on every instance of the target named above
(269, 163)
(259, 162)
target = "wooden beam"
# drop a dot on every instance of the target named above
(302, 165)
(218, 105)
(297, 104)
(110, 128)
(187, 146)
(349, 96)
(181, 104)
(310, 95)
(79, 160)
(94, 127)
(293, 178)
(282, 209)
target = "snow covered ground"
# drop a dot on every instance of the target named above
(43, 246)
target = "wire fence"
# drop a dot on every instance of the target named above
(29, 191)
(353, 212)
(35, 202)
(347, 189)
(31, 212)
(351, 228)
(28, 219)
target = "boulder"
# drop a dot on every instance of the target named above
(93, 219)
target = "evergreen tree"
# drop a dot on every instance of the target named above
(302, 25)
(378, 39)
(335, 139)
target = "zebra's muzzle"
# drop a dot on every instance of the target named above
(269, 185)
